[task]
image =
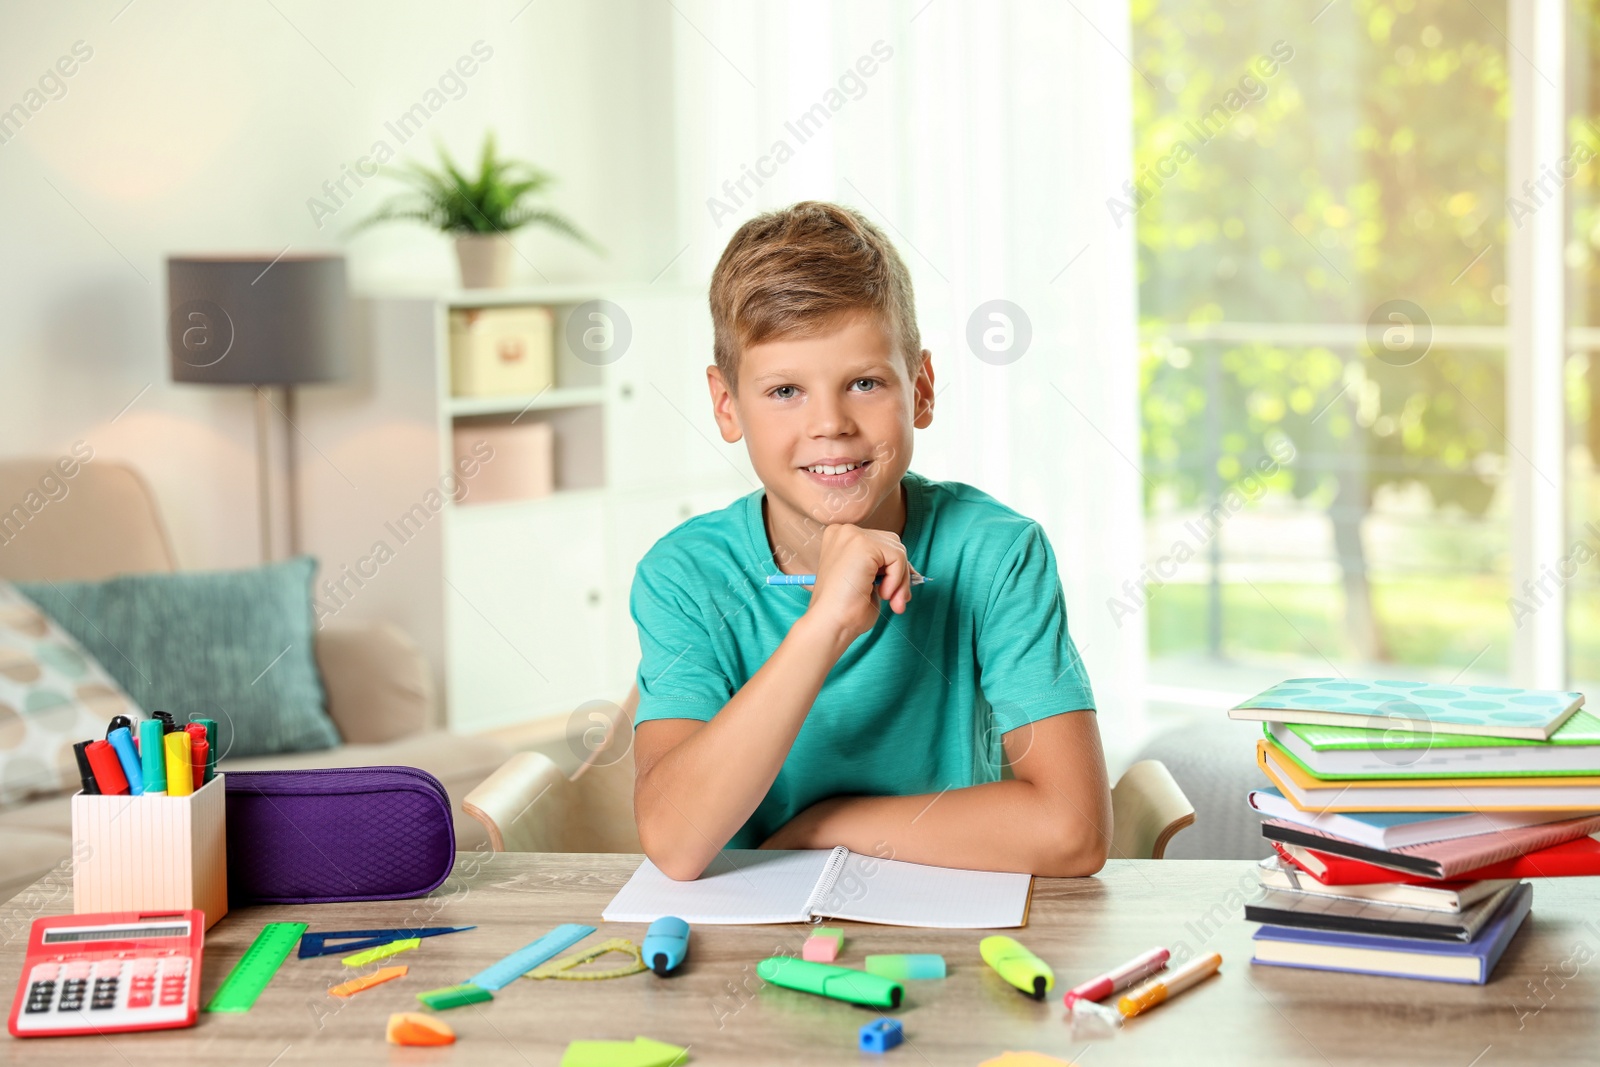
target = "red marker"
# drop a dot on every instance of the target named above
(1115, 981)
(198, 748)
(107, 769)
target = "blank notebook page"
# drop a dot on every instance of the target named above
(896, 893)
(740, 886)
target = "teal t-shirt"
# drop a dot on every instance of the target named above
(917, 704)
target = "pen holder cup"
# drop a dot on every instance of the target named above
(149, 853)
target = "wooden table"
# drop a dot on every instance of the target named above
(722, 1011)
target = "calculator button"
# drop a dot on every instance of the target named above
(139, 1000)
(44, 972)
(40, 994)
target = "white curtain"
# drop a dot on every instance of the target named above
(985, 140)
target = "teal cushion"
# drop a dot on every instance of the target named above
(234, 646)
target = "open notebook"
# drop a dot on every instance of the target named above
(752, 886)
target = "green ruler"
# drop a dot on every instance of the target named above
(261, 961)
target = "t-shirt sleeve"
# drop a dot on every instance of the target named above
(1028, 667)
(679, 675)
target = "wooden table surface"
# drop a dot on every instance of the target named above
(1540, 1007)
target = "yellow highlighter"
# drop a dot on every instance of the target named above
(180, 775)
(1164, 987)
(1017, 965)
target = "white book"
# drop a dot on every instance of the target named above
(1397, 829)
(758, 886)
(1449, 897)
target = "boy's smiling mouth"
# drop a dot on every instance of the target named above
(838, 472)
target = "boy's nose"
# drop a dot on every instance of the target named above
(829, 418)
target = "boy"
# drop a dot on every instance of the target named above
(795, 717)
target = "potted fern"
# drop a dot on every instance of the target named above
(480, 213)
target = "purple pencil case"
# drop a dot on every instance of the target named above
(346, 833)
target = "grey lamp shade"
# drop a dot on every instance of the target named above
(243, 320)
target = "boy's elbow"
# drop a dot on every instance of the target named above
(678, 860)
(1076, 848)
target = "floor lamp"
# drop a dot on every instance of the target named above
(260, 321)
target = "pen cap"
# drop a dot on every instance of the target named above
(118, 722)
(85, 772)
(122, 742)
(152, 756)
(107, 769)
(180, 777)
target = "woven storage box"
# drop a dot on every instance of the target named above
(523, 465)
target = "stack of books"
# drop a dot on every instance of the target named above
(1404, 816)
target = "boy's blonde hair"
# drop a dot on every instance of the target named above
(795, 272)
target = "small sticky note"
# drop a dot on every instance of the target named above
(640, 1052)
(393, 948)
(1025, 1059)
(367, 981)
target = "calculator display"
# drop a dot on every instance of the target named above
(111, 933)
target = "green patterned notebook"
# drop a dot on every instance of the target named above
(1482, 710)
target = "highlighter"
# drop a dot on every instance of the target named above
(180, 782)
(107, 769)
(153, 758)
(1017, 965)
(829, 980)
(122, 742)
(666, 943)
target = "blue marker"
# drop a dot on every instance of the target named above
(666, 943)
(122, 741)
(811, 579)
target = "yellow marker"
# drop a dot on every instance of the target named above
(393, 948)
(180, 772)
(1164, 987)
(1017, 965)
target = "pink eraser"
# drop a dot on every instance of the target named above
(820, 950)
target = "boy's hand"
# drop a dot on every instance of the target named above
(844, 595)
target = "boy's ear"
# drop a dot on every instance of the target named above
(723, 406)
(923, 393)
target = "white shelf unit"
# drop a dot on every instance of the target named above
(531, 596)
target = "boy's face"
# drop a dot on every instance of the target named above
(843, 398)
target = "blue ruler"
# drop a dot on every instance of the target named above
(525, 959)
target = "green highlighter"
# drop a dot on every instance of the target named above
(1018, 966)
(828, 980)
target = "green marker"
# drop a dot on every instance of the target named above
(827, 980)
(1018, 966)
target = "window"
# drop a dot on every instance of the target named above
(1321, 209)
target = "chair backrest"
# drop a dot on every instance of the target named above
(1147, 808)
(99, 522)
(529, 805)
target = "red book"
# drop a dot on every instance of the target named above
(1570, 859)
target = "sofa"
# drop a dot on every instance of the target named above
(380, 694)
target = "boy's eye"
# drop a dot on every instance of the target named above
(780, 394)
(871, 383)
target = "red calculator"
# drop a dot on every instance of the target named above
(109, 973)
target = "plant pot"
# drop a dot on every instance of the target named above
(485, 260)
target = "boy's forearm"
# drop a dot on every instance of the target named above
(696, 797)
(998, 826)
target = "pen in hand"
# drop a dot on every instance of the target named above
(811, 579)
